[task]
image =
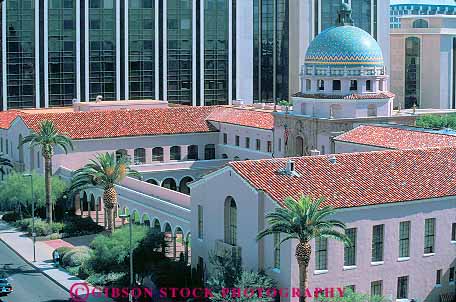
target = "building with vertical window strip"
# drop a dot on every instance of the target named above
(188, 52)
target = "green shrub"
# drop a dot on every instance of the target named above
(105, 279)
(84, 271)
(54, 236)
(24, 224)
(10, 217)
(76, 225)
(73, 270)
(57, 227)
(63, 250)
(76, 257)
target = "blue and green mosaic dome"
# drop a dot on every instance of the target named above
(344, 46)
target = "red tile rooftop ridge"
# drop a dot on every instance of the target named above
(243, 117)
(395, 138)
(353, 96)
(7, 117)
(358, 179)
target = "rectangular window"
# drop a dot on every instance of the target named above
(269, 146)
(453, 232)
(350, 250)
(402, 287)
(1, 144)
(247, 142)
(280, 145)
(321, 254)
(237, 140)
(438, 277)
(377, 242)
(429, 235)
(225, 138)
(6, 146)
(404, 239)
(451, 275)
(200, 222)
(258, 145)
(376, 288)
(277, 250)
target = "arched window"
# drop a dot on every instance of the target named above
(299, 146)
(121, 153)
(322, 150)
(336, 85)
(321, 85)
(412, 72)
(183, 187)
(224, 156)
(236, 158)
(335, 110)
(420, 23)
(372, 110)
(175, 153)
(192, 152)
(152, 181)
(169, 183)
(209, 152)
(140, 156)
(230, 221)
(368, 85)
(157, 154)
(85, 203)
(353, 85)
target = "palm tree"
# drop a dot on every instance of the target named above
(47, 138)
(4, 162)
(304, 219)
(105, 171)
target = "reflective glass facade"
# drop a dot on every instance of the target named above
(396, 11)
(20, 43)
(102, 49)
(264, 26)
(216, 52)
(179, 56)
(412, 72)
(62, 52)
(141, 49)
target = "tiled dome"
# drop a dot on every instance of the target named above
(344, 46)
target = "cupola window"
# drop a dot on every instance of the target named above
(336, 85)
(308, 85)
(368, 85)
(353, 85)
(321, 85)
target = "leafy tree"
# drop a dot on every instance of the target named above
(351, 296)
(149, 253)
(47, 138)
(437, 121)
(4, 162)
(304, 219)
(105, 171)
(16, 191)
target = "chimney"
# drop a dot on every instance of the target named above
(332, 159)
(314, 152)
(290, 168)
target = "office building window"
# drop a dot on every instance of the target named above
(453, 231)
(429, 236)
(376, 288)
(225, 138)
(247, 142)
(321, 254)
(236, 139)
(277, 250)
(451, 275)
(200, 222)
(438, 277)
(258, 145)
(377, 242)
(350, 250)
(412, 72)
(402, 287)
(404, 239)
(269, 146)
(280, 145)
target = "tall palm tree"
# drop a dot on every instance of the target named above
(4, 162)
(304, 219)
(47, 139)
(105, 171)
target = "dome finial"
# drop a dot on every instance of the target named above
(345, 15)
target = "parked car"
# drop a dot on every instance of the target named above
(5, 286)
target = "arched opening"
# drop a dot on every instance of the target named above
(21, 150)
(140, 156)
(157, 154)
(337, 85)
(169, 183)
(188, 248)
(136, 219)
(236, 158)
(224, 156)
(209, 152)
(98, 207)
(156, 225)
(179, 244)
(85, 203)
(152, 181)
(353, 85)
(91, 205)
(183, 185)
(412, 72)
(175, 153)
(299, 146)
(321, 85)
(230, 221)
(335, 111)
(368, 85)
(168, 233)
(192, 152)
(372, 110)
(121, 153)
(146, 220)
(420, 23)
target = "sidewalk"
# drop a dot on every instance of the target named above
(23, 246)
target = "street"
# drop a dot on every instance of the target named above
(29, 285)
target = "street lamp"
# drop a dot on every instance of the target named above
(124, 216)
(33, 214)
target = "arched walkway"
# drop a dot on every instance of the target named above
(156, 225)
(152, 181)
(183, 185)
(178, 244)
(168, 233)
(169, 183)
(146, 220)
(135, 217)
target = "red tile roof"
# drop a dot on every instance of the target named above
(120, 123)
(358, 179)
(353, 96)
(7, 117)
(243, 117)
(396, 138)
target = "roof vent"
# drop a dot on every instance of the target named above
(314, 152)
(333, 159)
(99, 99)
(289, 169)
